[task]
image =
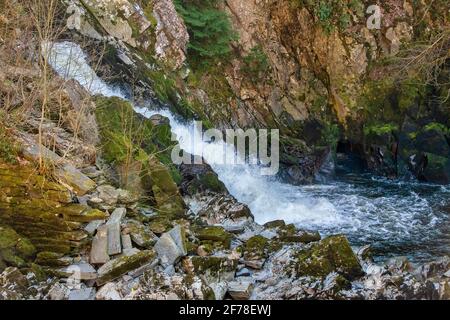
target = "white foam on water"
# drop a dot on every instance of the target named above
(267, 198)
(70, 62)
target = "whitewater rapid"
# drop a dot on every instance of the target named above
(399, 221)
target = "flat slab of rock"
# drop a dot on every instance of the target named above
(114, 236)
(93, 226)
(82, 271)
(240, 290)
(82, 294)
(120, 266)
(171, 246)
(126, 242)
(99, 249)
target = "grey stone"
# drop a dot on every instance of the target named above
(117, 215)
(126, 242)
(82, 294)
(130, 252)
(114, 237)
(171, 246)
(82, 271)
(170, 270)
(57, 292)
(220, 290)
(240, 290)
(122, 265)
(93, 225)
(108, 194)
(99, 249)
(178, 236)
(108, 292)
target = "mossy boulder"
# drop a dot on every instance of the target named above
(215, 234)
(437, 169)
(51, 259)
(141, 234)
(256, 248)
(160, 224)
(15, 250)
(275, 224)
(165, 190)
(140, 151)
(332, 254)
(199, 178)
(120, 266)
(290, 234)
(214, 268)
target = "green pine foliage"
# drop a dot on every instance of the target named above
(256, 63)
(209, 29)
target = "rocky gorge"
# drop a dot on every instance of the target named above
(91, 206)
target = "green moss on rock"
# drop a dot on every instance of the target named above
(215, 234)
(118, 267)
(212, 266)
(332, 254)
(15, 250)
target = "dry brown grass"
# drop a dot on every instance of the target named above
(32, 98)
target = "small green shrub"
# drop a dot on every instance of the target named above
(434, 126)
(333, 13)
(256, 63)
(209, 29)
(380, 129)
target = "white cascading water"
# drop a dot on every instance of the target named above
(243, 181)
(366, 215)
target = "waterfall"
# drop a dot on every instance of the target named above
(390, 214)
(267, 198)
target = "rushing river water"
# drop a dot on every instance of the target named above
(396, 218)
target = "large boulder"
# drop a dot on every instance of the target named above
(171, 246)
(147, 170)
(215, 269)
(199, 178)
(226, 211)
(424, 150)
(332, 254)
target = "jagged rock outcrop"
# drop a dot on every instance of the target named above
(139, 28)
